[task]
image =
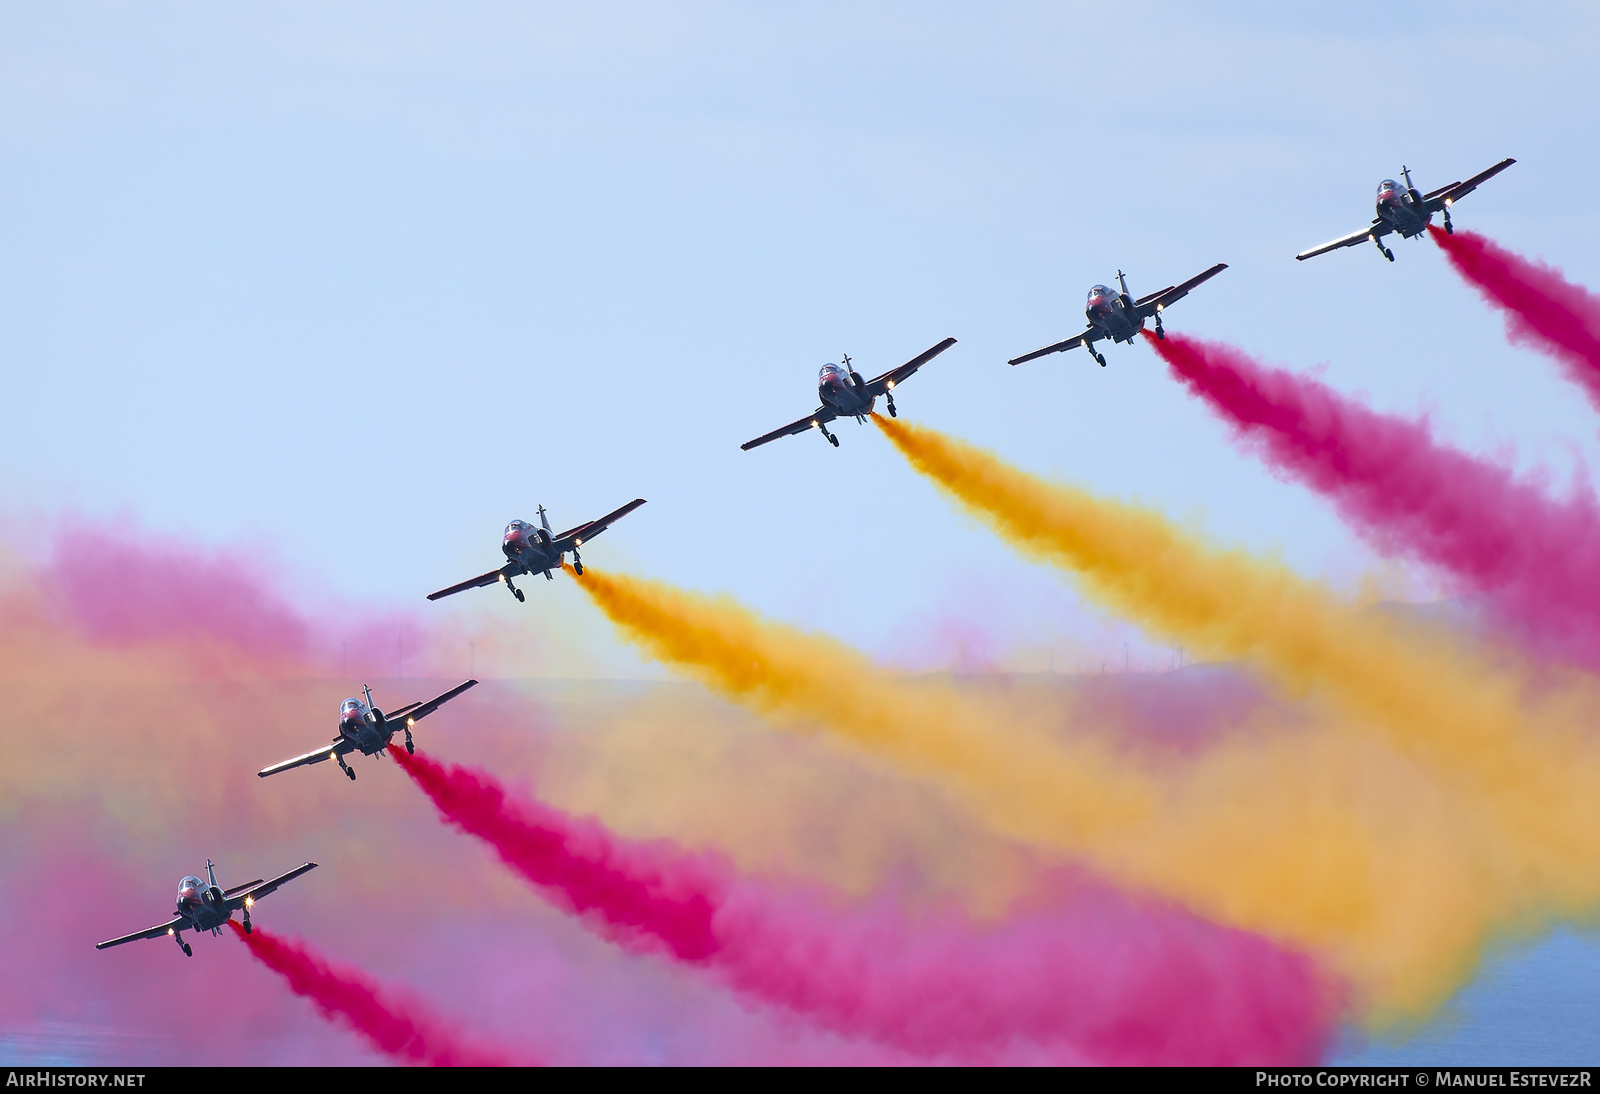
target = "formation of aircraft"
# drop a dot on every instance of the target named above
(1119, 317)
(1406, 210)
(531, 550)
(845, 394)
(206, 906)
(1112, 315)
(366, 729)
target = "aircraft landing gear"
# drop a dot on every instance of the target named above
(831, 438)
(182, 945)
(1450, 229)
(516, 592)
(1384, 251)
(889, 396)
(246, 922)
(346, 768)
(1098, 356)
(577, 564)
(411, 747)
(1160, 333)
(547, 576)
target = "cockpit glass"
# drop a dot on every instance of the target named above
(1099, 290)
(190, 886)
(350, 706)
(1387, 184)
(826, 371)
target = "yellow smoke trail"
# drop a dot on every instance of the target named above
(1326, 839)
(1430, 691)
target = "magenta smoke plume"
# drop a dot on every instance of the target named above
(1542, 308)
(396, 1026)
(1538, 558)
(1091, 977)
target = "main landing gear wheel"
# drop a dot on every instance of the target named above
(577, 567)
(247, 927)
(187, 952)
(411, 748)
(833, 440)
(518, 594)
(1387, 253)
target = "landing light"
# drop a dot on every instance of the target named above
(889, 386)
(502, 577)
(1449, 201)
(249, 902)
(411, 721)
(169, 930)
(813, 423)
(577, 543)
(1161, 307)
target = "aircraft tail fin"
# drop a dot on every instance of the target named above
(544, 519)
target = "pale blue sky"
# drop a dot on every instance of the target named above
(361, 282)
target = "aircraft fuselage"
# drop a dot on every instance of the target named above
(1402, 207)
(365, 727)
(201, 904)
(530, 547)
(844, 392)
(1112, 313)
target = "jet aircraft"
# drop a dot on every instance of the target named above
(1403, 209)
(1119, 317)
(206, 906)
(845, 394)
(366, 729)
(531, 550)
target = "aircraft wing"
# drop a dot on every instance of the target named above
(258, 889)
(1457, 190)
(904, 372)
(421, 710)
(326, 752)
(510, 569)
(821, 416)
(1146, 305)
(149, 932)
(400, 712)
(241, 888)
(1366, 235)
(595, 527)
(1071, 343)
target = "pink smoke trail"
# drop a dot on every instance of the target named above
(1542, 308)
(402, 1028)
(1095, 978)
(1538, 558)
